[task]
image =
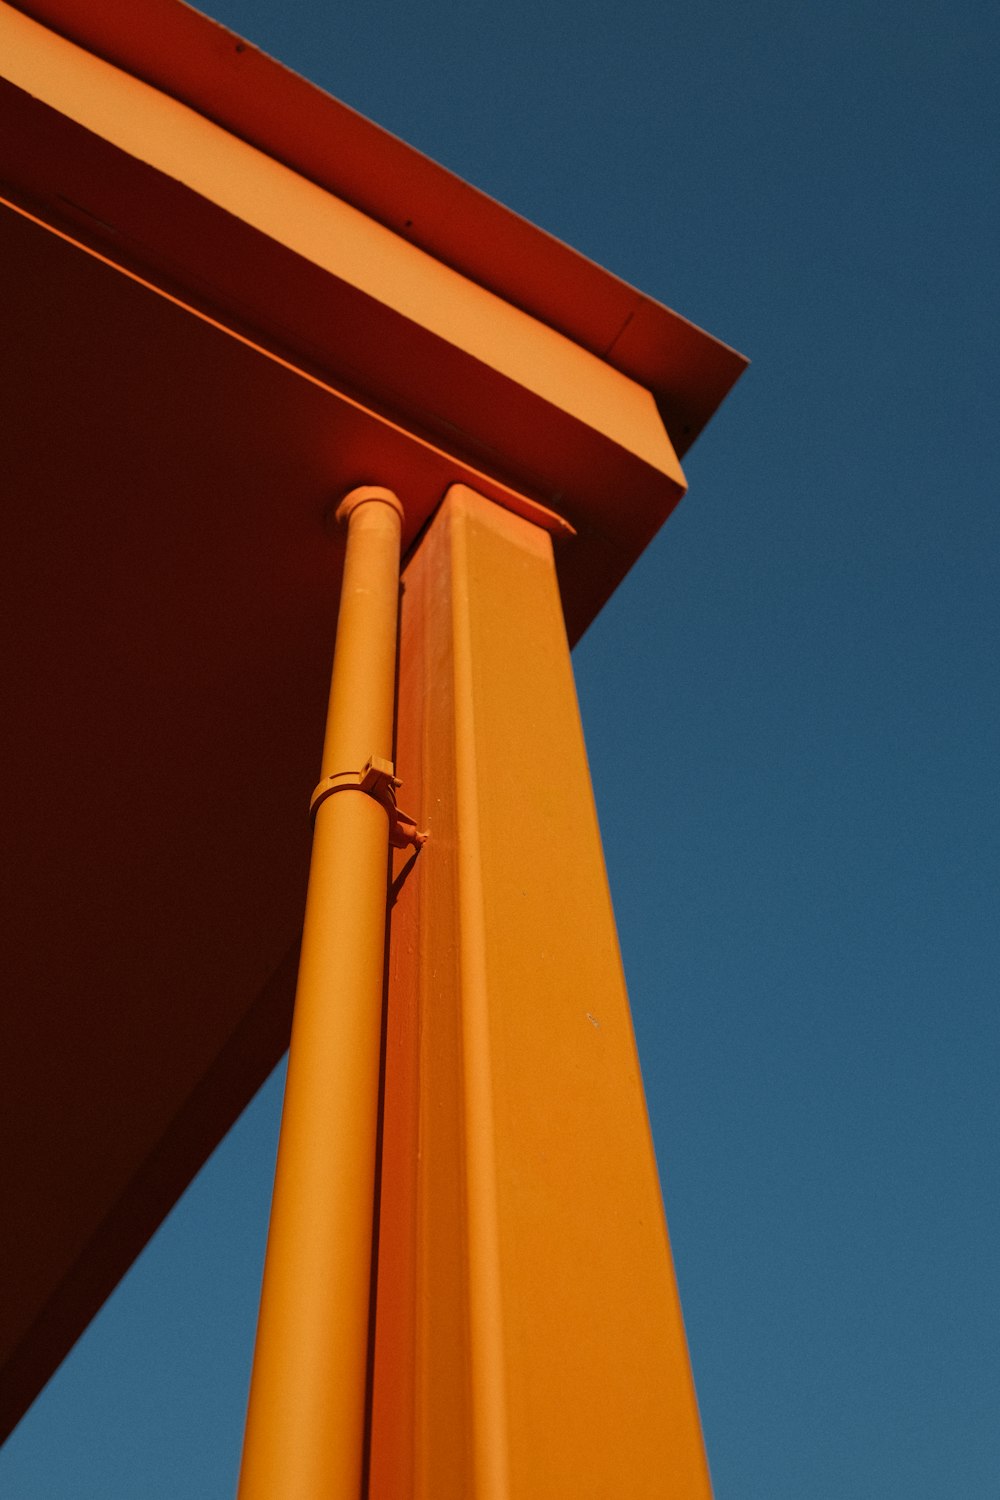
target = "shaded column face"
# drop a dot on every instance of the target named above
(528, 1334)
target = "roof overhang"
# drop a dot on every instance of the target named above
(227, 299)
(225, 79)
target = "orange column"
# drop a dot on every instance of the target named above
(306, 1417)
(529, 1342)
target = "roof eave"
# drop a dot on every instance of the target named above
(201, 63)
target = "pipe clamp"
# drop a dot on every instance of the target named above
(377, 779)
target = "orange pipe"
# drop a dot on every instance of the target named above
(305, 1421)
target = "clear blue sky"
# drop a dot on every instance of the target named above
(808, 908)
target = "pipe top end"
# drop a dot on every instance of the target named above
(362, 495)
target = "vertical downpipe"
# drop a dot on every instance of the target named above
(305, 1421)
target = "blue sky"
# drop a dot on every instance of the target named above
(808, 656)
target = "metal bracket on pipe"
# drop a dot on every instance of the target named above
(377, 779)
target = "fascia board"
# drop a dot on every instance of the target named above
(195, 59)
(351, 248)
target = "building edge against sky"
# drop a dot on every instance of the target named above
(240, 300)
